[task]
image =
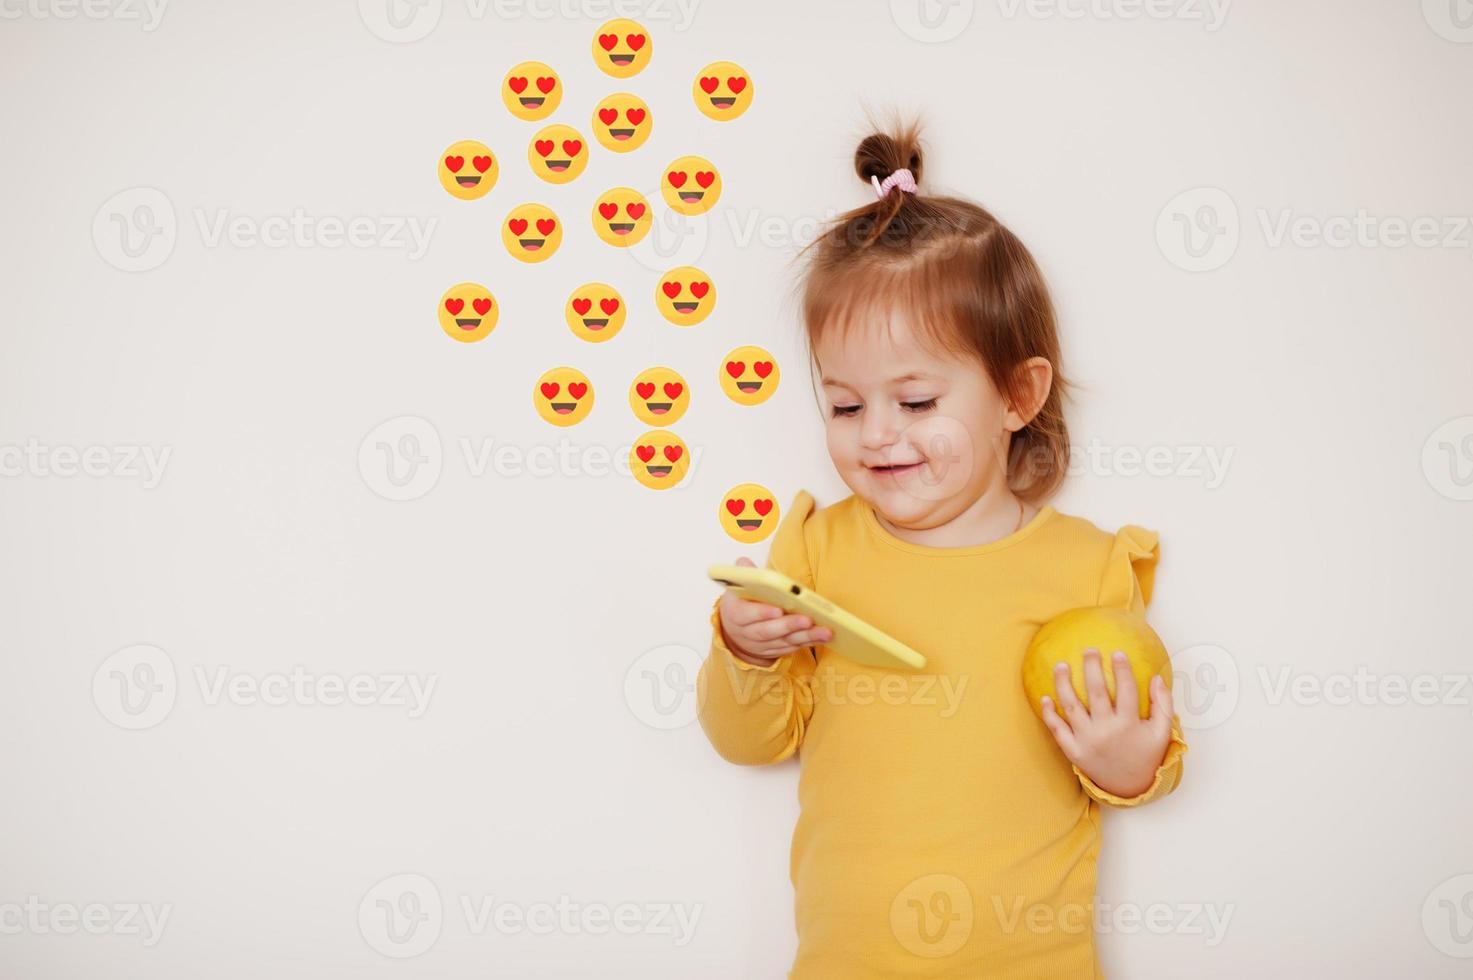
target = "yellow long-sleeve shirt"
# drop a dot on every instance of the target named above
(942, 833)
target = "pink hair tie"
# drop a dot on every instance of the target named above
(901, 178)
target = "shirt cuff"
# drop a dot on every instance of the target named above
(719, 648)
(1168, 775)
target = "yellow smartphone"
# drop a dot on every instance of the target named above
(853, 639)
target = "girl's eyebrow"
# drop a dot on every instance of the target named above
(912, 376)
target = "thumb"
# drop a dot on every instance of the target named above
(744, 560)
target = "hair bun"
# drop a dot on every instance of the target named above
(881, 154)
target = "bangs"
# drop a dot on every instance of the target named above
(879, 296)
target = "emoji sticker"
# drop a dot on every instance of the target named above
(659, 396)
(621, 216)
(531, 91)
(622, 122)
(722, 90)
(557, 154)
(563, 396)
(468, 169)
(749, 512)
(691, 185)
(621, 48)
(531, 232)
(749, 375)
(685, 296)
(468, 312)
(595, 312)
(658, 459)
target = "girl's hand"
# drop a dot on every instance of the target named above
(1111, 743)
(760, 633)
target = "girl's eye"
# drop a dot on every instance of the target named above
(924, 406)
(844, 411)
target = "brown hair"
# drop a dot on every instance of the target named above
(965, 281)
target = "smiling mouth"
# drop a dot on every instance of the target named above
(468, 180)
(531, 102)
(593, 324)
(658, 408)
(749, 524)
(558, 166)
(468, 323)
(896, 470)
(621, 59)
(747, 387)
(722, 102)
(564, 408)
(659, 470)
(622, 227)
(621, 134)
(531, 244)
(685, 307)
(691, 197)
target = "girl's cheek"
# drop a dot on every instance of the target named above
(950, 453)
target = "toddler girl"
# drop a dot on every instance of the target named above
(944, 832)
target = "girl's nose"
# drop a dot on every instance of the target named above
(878, 429)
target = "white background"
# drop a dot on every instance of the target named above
(536, 772)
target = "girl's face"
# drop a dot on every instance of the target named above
(917, 435)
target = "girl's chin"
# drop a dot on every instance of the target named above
(900, 500)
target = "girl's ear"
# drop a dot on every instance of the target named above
(1035, 377)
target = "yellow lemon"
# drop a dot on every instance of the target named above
(1066, 637)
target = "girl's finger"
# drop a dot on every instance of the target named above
(1094, 683)
(1068, 700)
(1127, 698)
(804, 638)
(737, 611)
(1161, 708)
(776, 629)
(1060, 730)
